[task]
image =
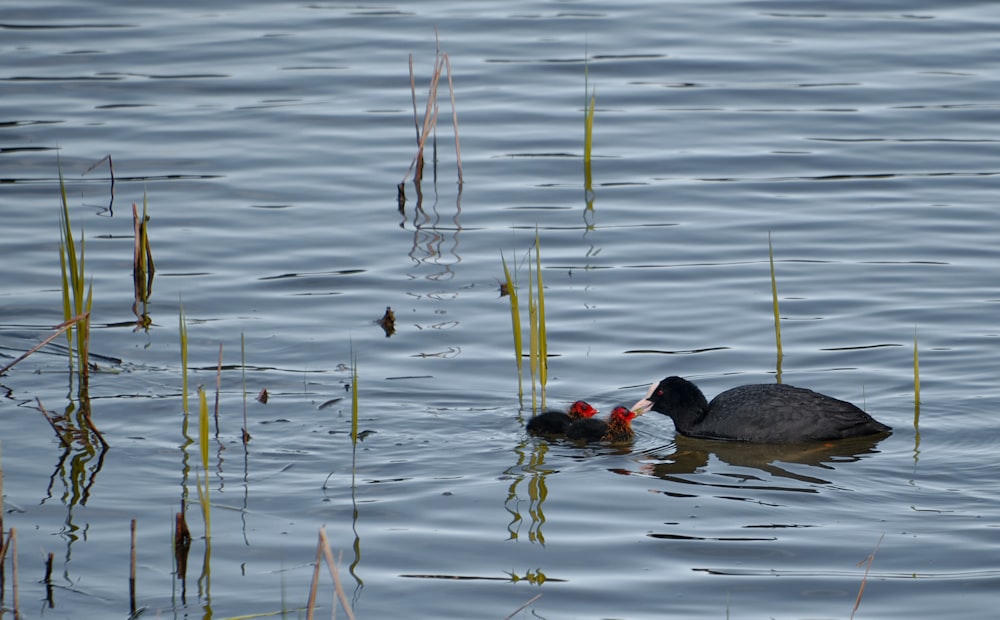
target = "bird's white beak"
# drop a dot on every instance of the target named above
(646, 403)
(642, 406)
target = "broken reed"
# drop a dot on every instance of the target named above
(428, 126)
(76, 301)
(538, 338)
(323, 552)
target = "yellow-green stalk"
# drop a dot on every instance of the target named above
(774, 299)
(533, 337)
(354, 401)
(75, 302)
(203, 497)
(588, 142)
(182, 331)
(543, 347)
(916, 381)
(515, 319)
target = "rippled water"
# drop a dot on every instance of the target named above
(269, 139)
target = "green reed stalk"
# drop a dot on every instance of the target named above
(532, 335)
(203, 495)
(182, 331)
(143, 268)
(916, 381)
(774, 299)
(515, 319)
(588, 142)
(354, 401)
(243, 373)
(75, 301)
(543, 346)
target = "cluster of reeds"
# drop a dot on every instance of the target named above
(538, 339)
(182, 538)
(182, 534)
(76, 425)
(426, 127)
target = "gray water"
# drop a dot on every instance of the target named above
(269, 139)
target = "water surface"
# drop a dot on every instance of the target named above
(269, 139)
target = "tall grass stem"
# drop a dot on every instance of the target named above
(774, 300)
(515, 319)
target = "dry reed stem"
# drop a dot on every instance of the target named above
(12, 540)
(52, 423)
(1, 523)
(864, 580)
(85, 409)
(522, 607)
(49, 561)
(323, 551)
(62, 327)
(182, 542)
(4, 546)
(314, 585)
(441, 63)
(454, 118)
(334, 574)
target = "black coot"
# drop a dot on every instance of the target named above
(618, 427)
(555, 423)
(765, 413)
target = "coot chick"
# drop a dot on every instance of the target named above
(766, 413)
(555, 423)
(618, 427)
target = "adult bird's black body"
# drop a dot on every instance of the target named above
(764, 413)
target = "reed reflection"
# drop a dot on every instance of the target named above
(435, 237)
(528, 476)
